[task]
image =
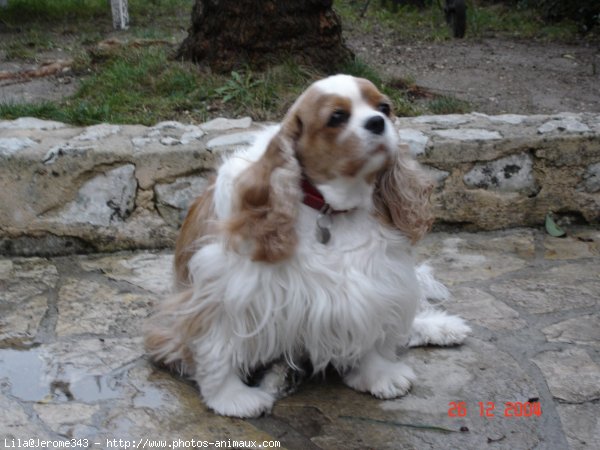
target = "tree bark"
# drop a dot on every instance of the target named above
(229, 34)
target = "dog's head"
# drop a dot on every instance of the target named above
(339, 134)
(343, 135)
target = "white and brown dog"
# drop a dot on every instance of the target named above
(301, 248)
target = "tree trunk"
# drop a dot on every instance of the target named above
(229, 34)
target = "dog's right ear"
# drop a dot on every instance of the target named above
(266, 199)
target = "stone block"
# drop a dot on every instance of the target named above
(104, 200)
(173, 199)
(512, 173)
(71, 189)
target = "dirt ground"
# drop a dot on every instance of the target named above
(495, 75)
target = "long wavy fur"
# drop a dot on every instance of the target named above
(267, 195)
(401, 196)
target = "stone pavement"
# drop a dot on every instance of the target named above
(72, 365)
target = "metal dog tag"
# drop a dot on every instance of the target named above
(324, 223)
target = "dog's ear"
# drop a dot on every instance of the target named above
(266, 199)
(401, 196)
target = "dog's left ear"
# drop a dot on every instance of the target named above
(266, 199)
(401, 196)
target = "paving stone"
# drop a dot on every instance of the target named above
(481, 308)
(570, 248)
(573, 272)
(582, 330)
(21, 319)
(571, 374)
(29, 271)
(149, 271)
(83, 358)
(88, 376)
(347, 419)
(67, 419)
(85, 370)
(463, 257)
(15, 423)
(581, 424)
(153, 403)
(86, 306)
(24, 288)
(540, 293)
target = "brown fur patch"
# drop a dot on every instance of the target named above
(401, 197)
(266, 203)
(200, 222)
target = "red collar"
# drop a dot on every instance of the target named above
(314, 199)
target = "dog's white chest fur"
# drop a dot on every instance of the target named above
(332, 302)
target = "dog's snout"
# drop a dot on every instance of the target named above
(375, 125)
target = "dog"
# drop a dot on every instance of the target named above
(301, 249)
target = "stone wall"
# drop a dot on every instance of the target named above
(107, 187)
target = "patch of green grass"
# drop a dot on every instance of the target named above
(26, 45)
(139, 86)
(483, 20)
(405, 22)
(448, 105)
(146, 86)
(490, 20)
(43, 110)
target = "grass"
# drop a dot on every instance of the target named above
(428, 24)
(131, 84)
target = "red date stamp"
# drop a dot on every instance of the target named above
(488, 409)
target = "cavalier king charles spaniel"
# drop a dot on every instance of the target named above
(301, 251)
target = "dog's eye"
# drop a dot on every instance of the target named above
(385, 108)
(338, 118)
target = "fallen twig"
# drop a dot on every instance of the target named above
(113, 43)
(45, 70)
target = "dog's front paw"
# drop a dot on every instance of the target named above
(241, 401)
(386, 380)
(432, 327)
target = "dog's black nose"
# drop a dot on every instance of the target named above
(375, 125)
